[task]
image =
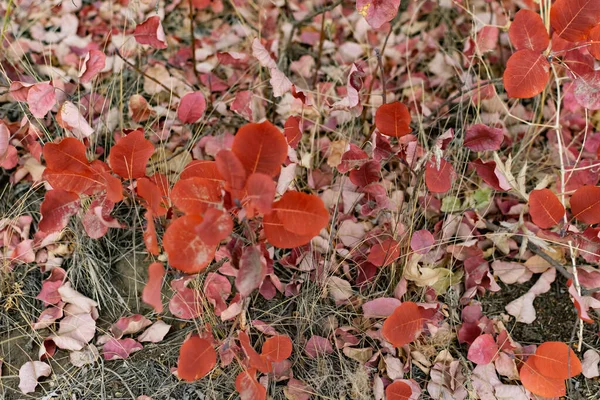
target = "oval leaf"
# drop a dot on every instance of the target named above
(483, 350)
(196, 359)
(526, 74)
(556, 360)
(185, 249)
(393, 119)
(277, 348)
(527, 31)
(191, 107)
(481, 137)
(260, 148)
(57, 208)
(302, 213)
(585, 204)
(404, 325)
(439, 180)
(128, 158)
(539, 384)
(195, 195)
(545, 208)
(572, 20)
(398, 391)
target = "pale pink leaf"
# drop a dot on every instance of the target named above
(422, 241)
(80, 327)
(483, 350)
(4, 139)
(41, 98)
(129, 325)
(252, 272)
(590, 364)
(71, 119)
(318, 346)
(155, 333)
(94, 62)
(116, 349)
(29, 374)
(377, 12)
(280, 83)
(262, 55)
(381, 307)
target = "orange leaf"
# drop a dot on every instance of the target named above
(539, 384)
(585, 204)
(150, 239)
(277, 348)
(545, 208)
(260, 148)
(527, 31)
(301, 213)
(594, 38)
(398, 391)
(526, 74)
(128, 158)
(278, 236)
(384, 253)
(151, 294)
(393, 119)
(557, 360)
(404, 325)
(185, 249)
(248, 387)
(68, 154)
(572, 20)
(260, 193)
(202, 169)
(232, 170)
(196, 359)
(216, 226)
(194, 195)
(151, 193)
(256, 360)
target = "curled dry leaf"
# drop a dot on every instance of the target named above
(117, 349)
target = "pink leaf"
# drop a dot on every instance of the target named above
(186, 303)
(129, 325)
(155, 333)
(377, 12)
(116, 349)
(151, 294)
(318, 346)
(217, 290)
(49, 293)
(4, 139)
(422, 241)
(252, 272)
(381, 307)
(151, 32)
(483, 350)
(191, 107)
(587, 91)
(29, 374)
(280, 83)
(94, 63)
(70, 118)
(41, 98)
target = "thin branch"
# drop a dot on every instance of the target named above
(139, 71)
(192, 17)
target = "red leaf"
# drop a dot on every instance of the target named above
(526, 74)
(196, 359)
(278, 236)
(232, 170)
(292, 131)
(384, 253)
(151, 294)
(186, 251)
(260, 148)
(202, 169)
(527, 31)
(398, 391)
(58, 206)
(128, 158)
(377, 12)
(439, 181)
(191, 107)
(151, 32)
(482, 137)
(248, 387)
(545, 208)
(585, 204)
(594, 38)
(94, 62)
(368, 173)
(302, 213)
(152, 195)
(556, 360)
(150, 239)
(393, 119)
(277, 348)
(572, 20)
(68, 154)
(483, 350)
(404, 325)
(140, 109)
(252, 272)
(260, 193)
(539, 384)
(215, 227)
(195, 195)
(256, 360)
(487, 172)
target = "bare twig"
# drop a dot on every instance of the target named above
(380, 63)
